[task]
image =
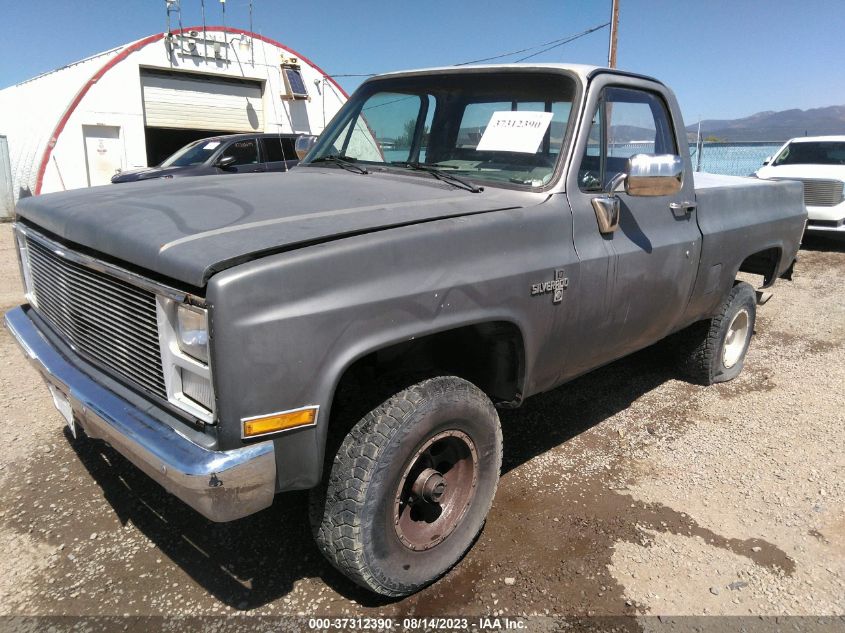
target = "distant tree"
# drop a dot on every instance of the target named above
(407, 136)
(713, 139)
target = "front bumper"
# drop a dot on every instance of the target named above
(826, 227)
(221, 485)
(826, 219)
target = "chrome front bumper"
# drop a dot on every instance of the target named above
(221, 485)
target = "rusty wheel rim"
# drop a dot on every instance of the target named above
(436, 489)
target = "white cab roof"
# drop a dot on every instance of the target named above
(582, 70)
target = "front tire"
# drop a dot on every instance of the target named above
(715, 349)
(410, 486)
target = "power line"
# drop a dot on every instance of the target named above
(554, 43)
(566, 41)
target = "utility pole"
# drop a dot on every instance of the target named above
(204, 32)
(614, 29)
(251, 38)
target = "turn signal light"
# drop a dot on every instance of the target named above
(279, 421)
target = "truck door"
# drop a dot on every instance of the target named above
(245, 152)
(636, 280)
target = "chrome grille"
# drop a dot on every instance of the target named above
(822, 193)
(111, 321)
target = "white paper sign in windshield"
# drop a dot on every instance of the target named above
(211, 145)
(510, 131)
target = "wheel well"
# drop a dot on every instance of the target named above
(763, 263)
(489, 355)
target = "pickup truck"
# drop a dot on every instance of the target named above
(457, 240)
(818, 162)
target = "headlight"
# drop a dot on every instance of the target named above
(197, 388)
(192, 331)
(26, 274)
(184, 344)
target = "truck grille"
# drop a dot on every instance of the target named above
(822, 193)
(111, 321)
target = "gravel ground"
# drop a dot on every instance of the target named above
(627, 491)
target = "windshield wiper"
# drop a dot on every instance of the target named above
(445, 176)
(341, 160)
(405, 163)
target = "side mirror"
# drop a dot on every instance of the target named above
(653, 175)
(767, 160)
(225, 161)
(303, 145)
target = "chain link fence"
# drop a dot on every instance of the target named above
(731, 159)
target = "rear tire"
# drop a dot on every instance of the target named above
(410, 487)
(714, 350)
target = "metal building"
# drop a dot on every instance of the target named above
(134, 105)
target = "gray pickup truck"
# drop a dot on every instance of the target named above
(457, 240)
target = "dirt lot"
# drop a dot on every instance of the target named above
(627, 491)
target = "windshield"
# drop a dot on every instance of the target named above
(494, 127)
(192, 154)
(812, 153)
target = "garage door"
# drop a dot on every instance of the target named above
(192, 102)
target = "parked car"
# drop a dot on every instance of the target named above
(352, 327)
(819, 163)
(230, 154)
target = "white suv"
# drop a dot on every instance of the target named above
(818, 162)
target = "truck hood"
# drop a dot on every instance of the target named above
(146, 173)
(188, 229)
(820, 172)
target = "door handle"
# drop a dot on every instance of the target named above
(686, 206)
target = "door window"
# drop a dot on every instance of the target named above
(626, 122)
(278, 149)
(245, 151)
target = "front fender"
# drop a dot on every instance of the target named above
(286, 327)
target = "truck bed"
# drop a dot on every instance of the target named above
(738, 216)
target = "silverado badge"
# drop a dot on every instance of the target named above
(557, 286)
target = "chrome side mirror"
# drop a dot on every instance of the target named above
(653, 175)
(303, 145)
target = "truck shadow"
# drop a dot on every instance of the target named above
(555, 417)
(254, 561)
(823, 243)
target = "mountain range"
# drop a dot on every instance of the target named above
(775, 126)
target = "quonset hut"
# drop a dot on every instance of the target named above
(134, 105)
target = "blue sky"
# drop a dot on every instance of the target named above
(723, 58)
